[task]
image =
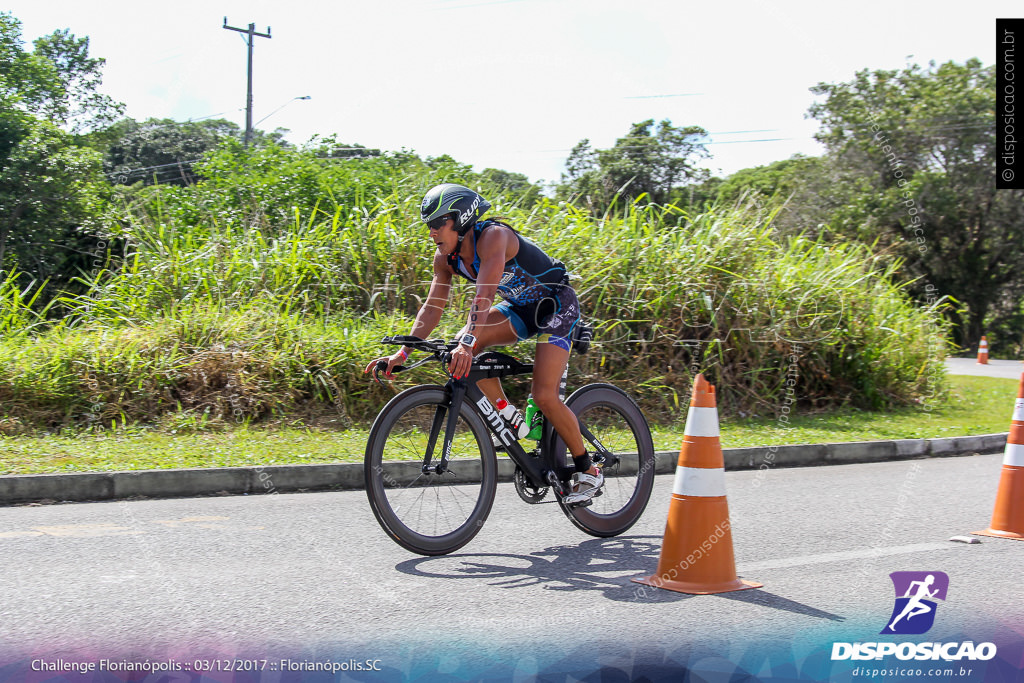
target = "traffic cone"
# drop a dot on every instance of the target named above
(1008, 516)
(983, 351)
(696, 554)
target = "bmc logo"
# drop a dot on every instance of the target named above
(497, 424)
(916, 595)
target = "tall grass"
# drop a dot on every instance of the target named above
(216, 307)
(217, 365)
(720, 292)
(18, 314)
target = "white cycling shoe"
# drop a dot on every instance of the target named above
(585, 489)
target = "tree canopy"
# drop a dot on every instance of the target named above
(49, 185)
(57, 80)
(915, 150)
(909, 169)
(644, 162)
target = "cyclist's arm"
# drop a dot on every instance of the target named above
(491, 248)
(438, 295)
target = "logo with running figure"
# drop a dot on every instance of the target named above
(916, 595)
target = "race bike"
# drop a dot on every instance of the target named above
(431, 469)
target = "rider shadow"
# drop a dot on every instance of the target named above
(605, 565)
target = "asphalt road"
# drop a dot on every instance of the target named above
(1011, 369)
(311, 577)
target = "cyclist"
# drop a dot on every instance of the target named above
(538, 302)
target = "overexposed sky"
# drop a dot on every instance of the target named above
(512, 84)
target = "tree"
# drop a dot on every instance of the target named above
(644, 162)
(163, 150)
(50, 186)
(805, 189)
(159, 150)
(329, 148)
(50, 194)
(918, 146)
(57, 81)
(512, 186)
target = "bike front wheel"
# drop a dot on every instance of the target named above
(422, 511)
(616, 424)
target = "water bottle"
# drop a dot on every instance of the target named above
(513, 417)
(534, 420)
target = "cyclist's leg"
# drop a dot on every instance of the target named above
(555, 318)
(548, 366)
(497, 330)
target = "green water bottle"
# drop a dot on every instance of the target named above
(534, 419)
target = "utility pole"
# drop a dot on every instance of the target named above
(251, 31)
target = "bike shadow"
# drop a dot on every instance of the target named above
(604, 565)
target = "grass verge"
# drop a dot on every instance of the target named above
(976, 405)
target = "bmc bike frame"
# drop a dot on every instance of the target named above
(536, 469)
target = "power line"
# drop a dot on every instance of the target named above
(655, 97)
(210, 116)
(175, 165)
(304, 97)
(170, 167)
(477, 4)
(738, 132)
(734, 142)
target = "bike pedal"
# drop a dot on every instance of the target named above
(582, 504)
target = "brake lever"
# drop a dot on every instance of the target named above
(382, 365)
(377, 370)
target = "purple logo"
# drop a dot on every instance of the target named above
(916, 593)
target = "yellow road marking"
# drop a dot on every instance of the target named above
(86, 530)
(106, 529)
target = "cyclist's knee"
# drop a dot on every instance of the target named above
(547, 401)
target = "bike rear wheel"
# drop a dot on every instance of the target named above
(617, 423)
(425, 512)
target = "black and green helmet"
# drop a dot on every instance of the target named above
(467, 205)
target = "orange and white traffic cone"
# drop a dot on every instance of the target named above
(1008, 516)
(983, 351)
(696, 554)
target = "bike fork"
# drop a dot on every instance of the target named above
(458, 392)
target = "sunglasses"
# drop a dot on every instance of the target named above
(438, 222)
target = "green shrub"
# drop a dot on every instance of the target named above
(223, 304)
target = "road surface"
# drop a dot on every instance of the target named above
(1010, 369)
(312, 578)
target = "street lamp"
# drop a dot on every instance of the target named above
(304, 97)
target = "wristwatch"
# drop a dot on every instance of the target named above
(468, 340)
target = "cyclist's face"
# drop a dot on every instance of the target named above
(444, 236)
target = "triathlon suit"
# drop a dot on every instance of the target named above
(538, 299)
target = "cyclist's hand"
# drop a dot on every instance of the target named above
(392, 360)
(462, 360)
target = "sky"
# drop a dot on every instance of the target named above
(512, 84)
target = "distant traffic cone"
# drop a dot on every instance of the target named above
(696, 554)
(983, 351)
(1008, 516)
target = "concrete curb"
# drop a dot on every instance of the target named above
(100, 486)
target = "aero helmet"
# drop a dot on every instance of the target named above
(467, 205)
